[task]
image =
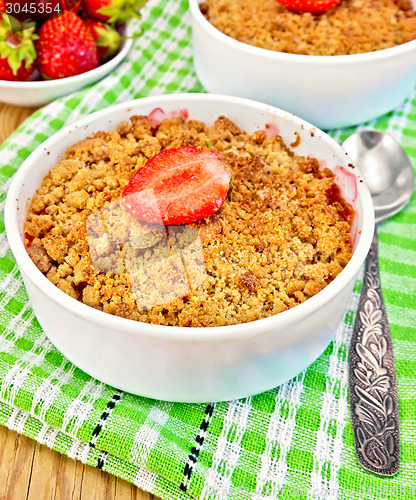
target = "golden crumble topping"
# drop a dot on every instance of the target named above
(352, 27)
(280, 238)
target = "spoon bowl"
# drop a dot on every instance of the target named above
(385, 168)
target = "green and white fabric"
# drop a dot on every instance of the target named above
(292, 442)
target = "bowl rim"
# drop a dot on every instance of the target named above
(299, 58)
(126, 45)
(256, 327)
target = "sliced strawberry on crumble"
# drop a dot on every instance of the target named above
(178, 186)
(313, 6)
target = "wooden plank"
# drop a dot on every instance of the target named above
(17, 453)
(101, 485)
(68, 479)
(11, 117)
(31, 471)
(44, 469)
(7, 448)
(97, 486)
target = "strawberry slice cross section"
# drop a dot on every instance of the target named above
(178, 186)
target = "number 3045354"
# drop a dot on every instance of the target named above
(32, 8)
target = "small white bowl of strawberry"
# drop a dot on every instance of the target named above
(62, 49)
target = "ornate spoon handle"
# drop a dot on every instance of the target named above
(372, 378)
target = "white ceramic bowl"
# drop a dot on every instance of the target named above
(329, 91)
(40, 92)
(191, 364)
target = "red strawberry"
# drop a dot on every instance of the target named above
(113, 11)
(2, 6)
(314, 6)
(107, 39)
(178, 186)
(65, 48)
(17, 52)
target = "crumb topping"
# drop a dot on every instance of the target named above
(352, 27)
(278, 240)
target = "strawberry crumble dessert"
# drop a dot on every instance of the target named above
(347, 27)
(269, 228)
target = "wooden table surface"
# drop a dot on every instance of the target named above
(31, 471)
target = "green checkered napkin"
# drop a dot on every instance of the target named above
(292, 442)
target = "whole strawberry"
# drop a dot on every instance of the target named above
(65, 47)
(17, 52)
(113, 11)
(107, 39)
(2, 6)
(313, 6)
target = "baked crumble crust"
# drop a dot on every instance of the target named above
(277, 242)
(352, 27)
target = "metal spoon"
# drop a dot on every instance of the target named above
(388, 173)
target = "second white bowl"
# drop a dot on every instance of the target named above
(329, 91)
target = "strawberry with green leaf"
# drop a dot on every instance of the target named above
(113, 11)
(178, 186)
(107, 39)
(65, 47)
(17, 52)
(313, 6)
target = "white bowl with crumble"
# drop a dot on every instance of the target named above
(190, 247)
(337, 68)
